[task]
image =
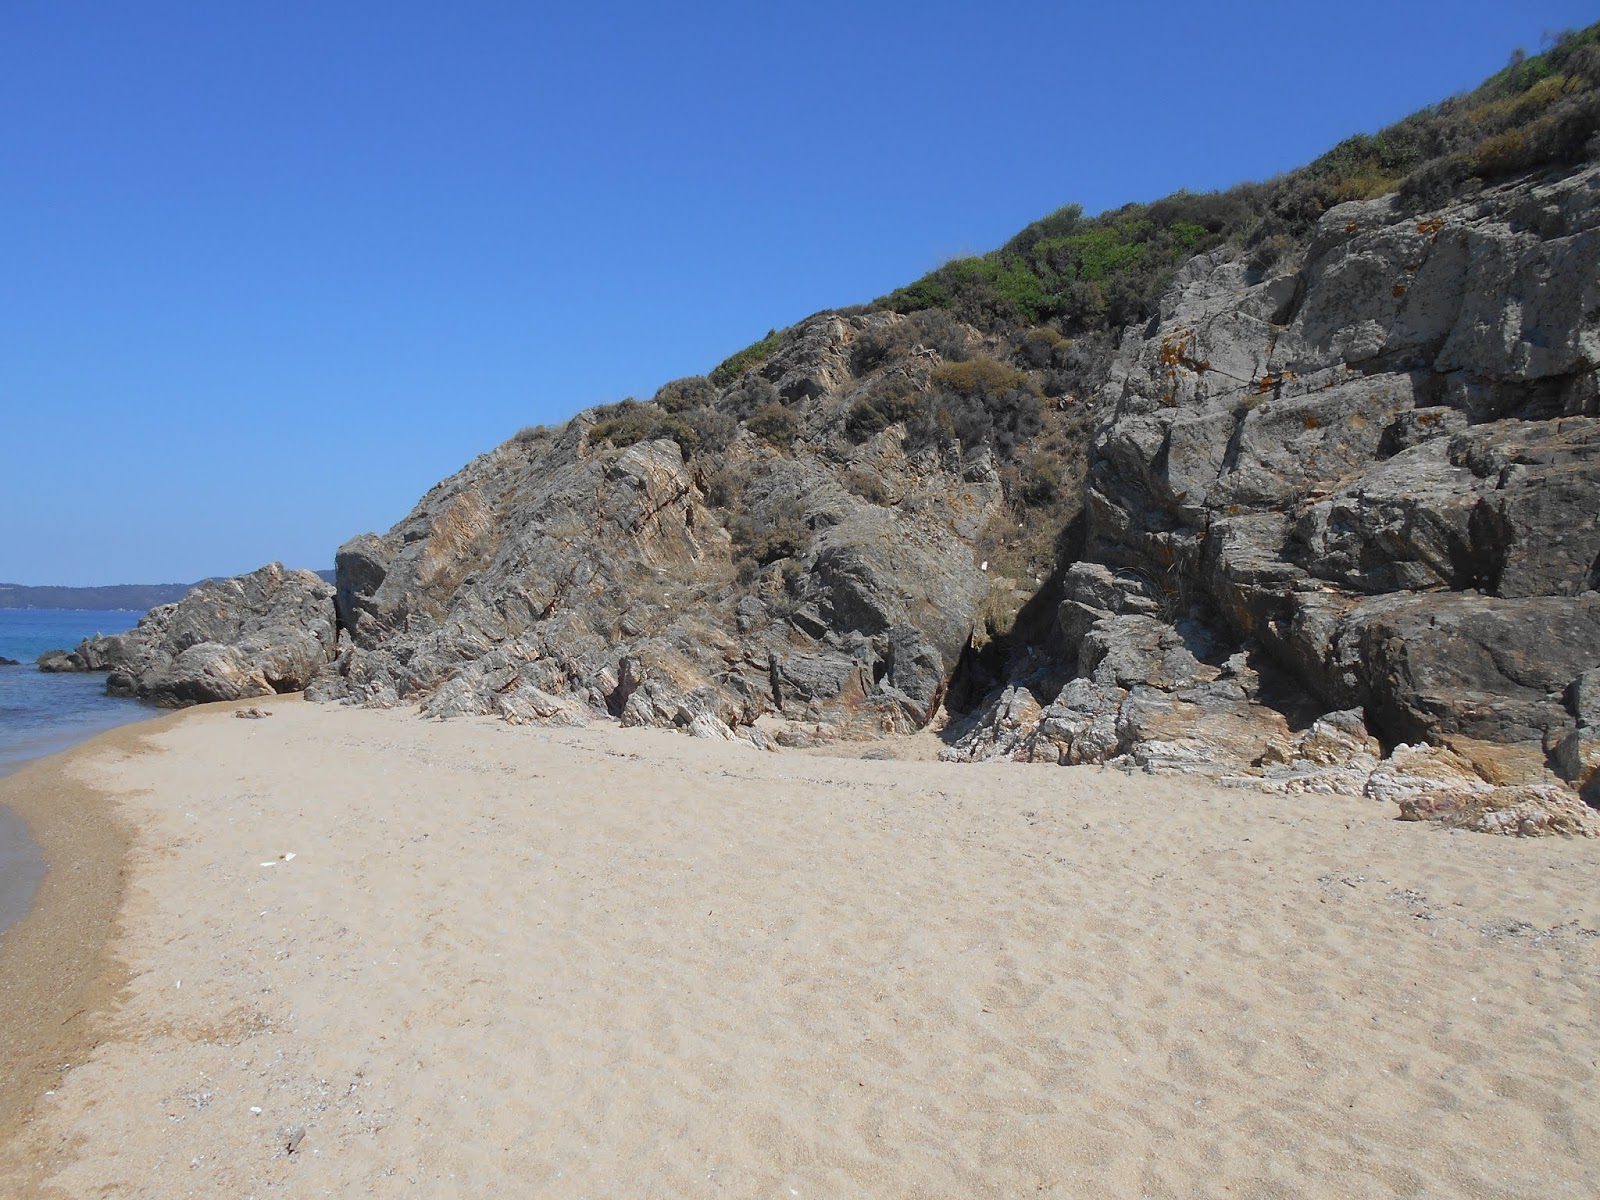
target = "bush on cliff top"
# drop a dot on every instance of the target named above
(1100, 273)
(696, 430)
(751, 356)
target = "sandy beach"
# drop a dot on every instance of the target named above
(467, 960)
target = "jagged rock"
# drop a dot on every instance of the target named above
(915, 669)
(1334, 756)
(1583, 698)
(1081, 725)
(1001, 730)
(1479, 666)
(1379, 470)
(1433, 783)
(1423, 779)
(800, 594)
(1378, 474)
(1347, 503)
(228, 639)
(704, 725)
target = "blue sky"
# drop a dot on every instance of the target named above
(270, 271)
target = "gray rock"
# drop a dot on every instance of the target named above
(228, 639)
(1490, 669)
(1577, 760)
(59, 662)
(749, 572)
(1376, 443)
(1369, 484)
(1583, 699)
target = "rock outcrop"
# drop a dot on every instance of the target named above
(1367, 489)
(576, 573)
(228, 639)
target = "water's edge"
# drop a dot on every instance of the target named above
(22, 868)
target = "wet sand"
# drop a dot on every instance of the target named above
(56, 969)
(21, 868)
(605, 963)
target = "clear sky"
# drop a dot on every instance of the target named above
(270, 271)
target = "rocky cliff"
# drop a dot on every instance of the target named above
(1368, 482)
(763, 559)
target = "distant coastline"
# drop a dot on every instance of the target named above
(117, 597)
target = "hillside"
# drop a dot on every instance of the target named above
(1291, 485)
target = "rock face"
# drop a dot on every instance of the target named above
(269, 631)
(1368, 485)
(800, 572)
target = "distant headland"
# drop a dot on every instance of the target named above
(111, 597)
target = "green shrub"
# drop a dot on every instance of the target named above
(1098, 274)
(943, 334)
(624, 423)
(748, 394)
(926, 292)
(866, 484)
(711, 430)
(1040, 346)
(750, 357)
(725, 486)
(875, 347)
(980, 402)
(1024, 291)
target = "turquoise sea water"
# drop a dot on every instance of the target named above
(41, 714)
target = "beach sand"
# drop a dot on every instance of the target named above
(621, 963)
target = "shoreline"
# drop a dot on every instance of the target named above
(58, 972)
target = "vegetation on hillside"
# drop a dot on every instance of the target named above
(1084, 274)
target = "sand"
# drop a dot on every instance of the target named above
(617, 963)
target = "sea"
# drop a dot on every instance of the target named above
(42, 714)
